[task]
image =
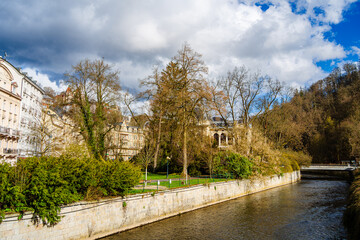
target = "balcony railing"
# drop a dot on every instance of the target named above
(10, 151)
(4, 130)
(15, 132)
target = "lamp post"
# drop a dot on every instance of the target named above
(167, 166)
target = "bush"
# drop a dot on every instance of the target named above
(44, 184)
(290, 160)
(119, 177)
(11, 197)
(234, 164)
(45, 188)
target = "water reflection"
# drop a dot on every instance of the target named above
(311, 209)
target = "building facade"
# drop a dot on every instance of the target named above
(10, 105)
(57, 133)
(31, 113)
(126, 141)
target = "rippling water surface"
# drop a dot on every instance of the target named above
(311, 209)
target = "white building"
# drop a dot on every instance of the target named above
(30, 116)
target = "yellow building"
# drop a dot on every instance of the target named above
(10, 101)
(57, 133)
(125, 141)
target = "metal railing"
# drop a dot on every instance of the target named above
(168, 183)
(4, 130)
(10, 151)
(15, 132)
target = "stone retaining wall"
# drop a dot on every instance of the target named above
(90, 220)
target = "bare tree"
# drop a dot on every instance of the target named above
(95, 88)
(157, 94)
(273, 89)
(187, 75)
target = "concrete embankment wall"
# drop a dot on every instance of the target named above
(90, 220)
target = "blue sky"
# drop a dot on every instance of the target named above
(297, 42)
(345, 33)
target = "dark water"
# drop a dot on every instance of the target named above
(311, 209)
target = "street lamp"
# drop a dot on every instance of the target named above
(167, 166)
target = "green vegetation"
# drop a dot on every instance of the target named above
(233, 164)
(44, 184)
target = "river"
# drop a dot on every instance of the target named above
(310, 209)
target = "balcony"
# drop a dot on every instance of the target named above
(4, 131)
(10, 151)
(15, 132)
(9, 133)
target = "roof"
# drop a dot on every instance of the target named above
(25, 75)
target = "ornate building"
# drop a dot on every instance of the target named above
(126, 141)
(10, 104)
(20, 101)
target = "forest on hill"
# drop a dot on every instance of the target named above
(322, 120)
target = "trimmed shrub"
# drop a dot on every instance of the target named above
(44, 184)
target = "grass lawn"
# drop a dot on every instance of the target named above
(175, 182)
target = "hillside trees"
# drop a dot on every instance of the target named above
(95, 88)
(322, 120)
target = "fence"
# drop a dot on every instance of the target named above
(155, 184)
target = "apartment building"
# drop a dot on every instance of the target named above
(126, 141)
(30, 121)
(10, 105)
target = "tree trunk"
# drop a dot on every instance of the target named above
(146, 175)
(248, 138)
(185, 154)
(157, 142)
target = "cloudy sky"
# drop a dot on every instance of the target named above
(297, 42)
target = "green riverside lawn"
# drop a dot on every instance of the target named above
(176, 182)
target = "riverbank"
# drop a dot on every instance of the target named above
(352, 213)
(310, 209)
(91, 220)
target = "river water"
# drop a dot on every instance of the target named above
(310, 209)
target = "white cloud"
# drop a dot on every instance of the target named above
(356, 50)
(44, 80)
(134, 35)
(328, 11)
